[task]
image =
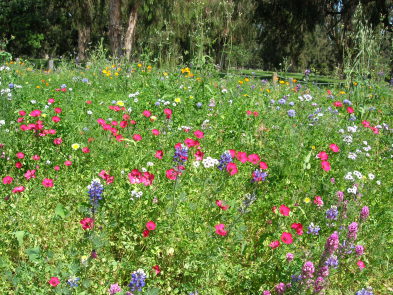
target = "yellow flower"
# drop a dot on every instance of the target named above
(307, 200)
(38, 87)
(294, 80)
(313, 147)
(139, 65)
(165, 74)
(177, 99)
(43, 115)
(191, 97)
(120, 103)
(170, 251)
(246, 79)
(342, 92)
(240, 82)
(153, 118)
(355, 83)
(149, 67)
(116, 74)
(75, 146)
(268, 90)
(282, 82)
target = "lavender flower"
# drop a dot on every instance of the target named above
(289, 256)
(340, 196)
(73, 282)
(323, 271)
(319, 285)
(137, 280)
(266, 292)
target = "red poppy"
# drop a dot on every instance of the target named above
(286, 238)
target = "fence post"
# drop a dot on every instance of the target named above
(51, 65)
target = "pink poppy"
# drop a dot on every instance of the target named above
(85, 150)
(233, 153)
(199, 155)
(29, 174)
(157, 269)
(7, 180)
(274, 244)
(256, 114)
(159, 154)
(171, 174)
(18, 165)
(151, 225)
(54, 281)
(242, 157)
(221, 205)
(35, 113)
(366, 124)
(137, 137)
(18, 189)
(190, 142)
(123, 124)
(146, 113)
(249, 113)
(20, 155)
(68, 163)
(361, 264)
(350, 110)
(232, 168)
(22, 113)
(36, 157)
(47, 182)
(51, 100)
(318, 201)
(334, 148)
(325, 165)
(286, 238)
(284, 210)
(87, 223)
(323, 156)
(338, 104)
(57, 141)
(254, 158)
(199, 134)
(263, 165)
(57, 168)
(155, 132)
(56, 119)
(298, 227)
(168, 113)
(220, 229)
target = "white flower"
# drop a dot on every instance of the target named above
(341, 131)
(174, 104)
(352, 156)
(196, 164)
(33, 101)
(48, 162)
(144, 169)
(352, 190)
(2, 122)
(371, 176)
(348, 139)
(349, 176)
(365, 142)
(150, 164)
(378, 182)
(358, 174)
(136, 100)
(352, 129)
(89, 112)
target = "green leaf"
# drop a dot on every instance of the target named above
(34, 254)
(60, 211)
(19, 236)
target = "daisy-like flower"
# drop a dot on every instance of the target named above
(75, 146)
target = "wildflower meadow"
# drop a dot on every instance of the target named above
(128, 179)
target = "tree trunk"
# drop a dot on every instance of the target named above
(115, 27)
(83, 39)
(129, 38)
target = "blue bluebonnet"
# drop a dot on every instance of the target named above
(85, 80)
(347, 102)
(73, 282)
(296, 278)
(291, 113)
(367, 291)
(11, 85)
(137, 280)
(63, 86)
(181, 155)
(272, 101)
(199, 104)
(258, 176)
(332, 213)
(313, 229)
(291, 103)
(332, 261)
(224, 160)
(95, 190)
(282, 101)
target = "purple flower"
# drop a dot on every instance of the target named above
(364, 213)
(324, 271)
(359, 249)
(368, 291)
(291, 113)
(258, 176)
(332, 243)
(352, 231)
(289, 256)
(332, 213)
(313, 229)
(332, 261)
(308, 270)
(280, 288)
(319, 285)
(114, 288)
(266, 292)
